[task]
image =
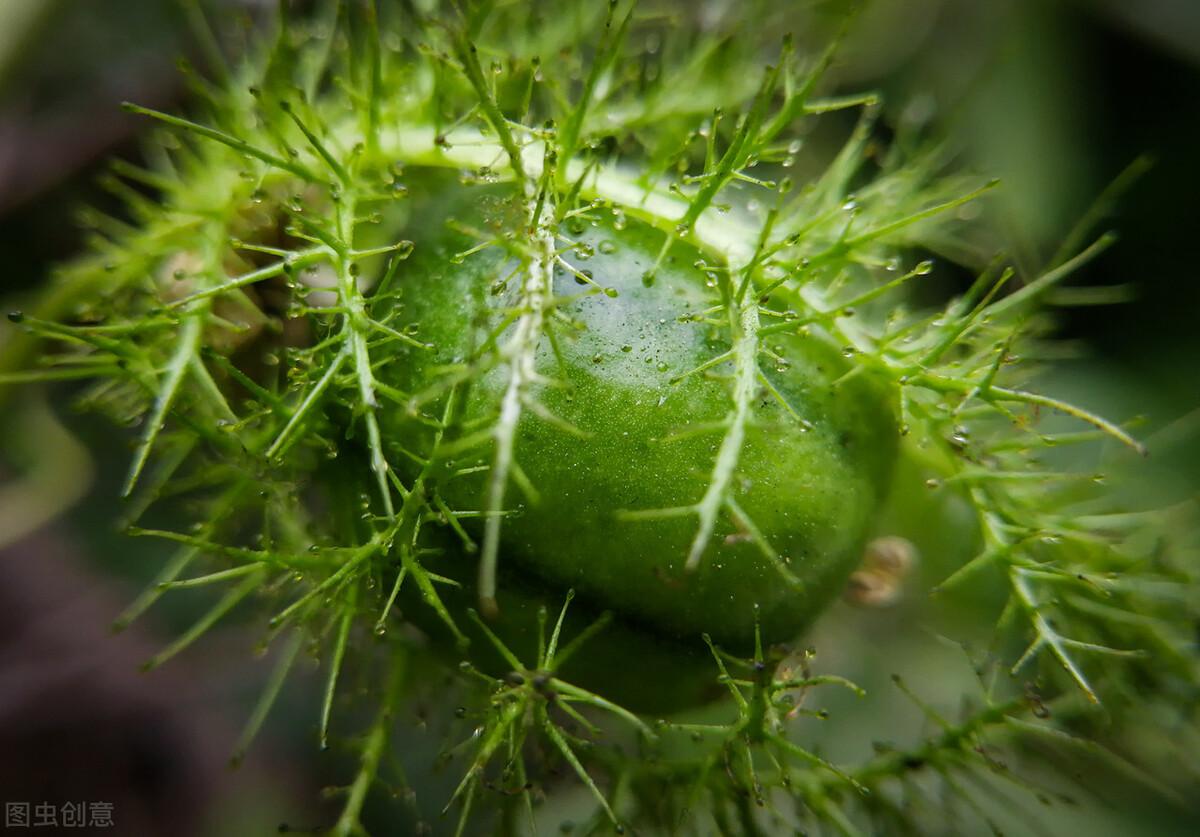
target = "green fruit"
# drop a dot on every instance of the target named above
(622, 431)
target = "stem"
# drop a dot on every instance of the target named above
(745, 352)
(358, 326)
(372, 751)
(521, 352)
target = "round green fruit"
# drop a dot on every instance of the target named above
(617, 441)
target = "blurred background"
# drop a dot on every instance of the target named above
(1056, 97)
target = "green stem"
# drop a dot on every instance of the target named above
(370, 754)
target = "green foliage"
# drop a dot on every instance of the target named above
(243, 310)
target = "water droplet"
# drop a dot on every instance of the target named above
(924, 268)
(662, 366)
(627, 348)
(597, 358)
(608, 247)
(648, 278)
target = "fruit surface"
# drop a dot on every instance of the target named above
(619, 431)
